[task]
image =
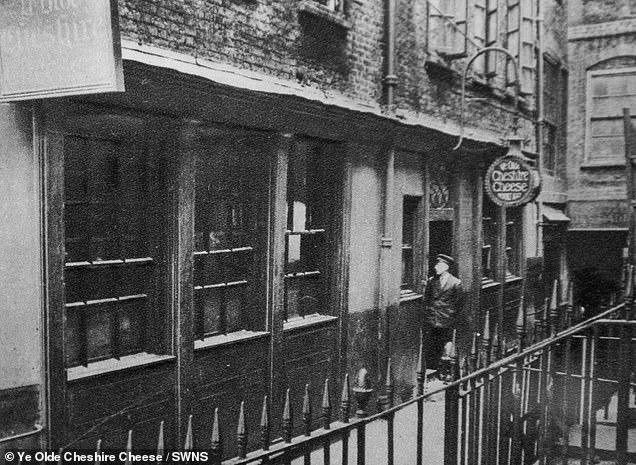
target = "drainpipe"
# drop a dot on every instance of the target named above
(386, 246)
(390, 79)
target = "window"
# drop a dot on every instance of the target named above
(114, 244)
(311, 221)
(230, 222)
(520, 41)
(489, 247)
(447, 27)
(555, 101)
(333, 5)
(485, 35)
(608, 92)
(410, 206)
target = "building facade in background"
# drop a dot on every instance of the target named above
(261, 208)
(602, 81)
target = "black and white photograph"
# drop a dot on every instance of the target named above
(318, 232)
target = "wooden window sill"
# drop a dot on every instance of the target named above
(230, 338)
(602, 164)
(489, 284)
(308, 321)
(409, 296)
(112, 365)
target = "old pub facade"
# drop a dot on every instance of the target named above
(258, 211)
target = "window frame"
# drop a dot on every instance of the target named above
(322, 150)
(447, 19)
(411, 205)
(218, 147)
(117, 125)
(590, 74)
(486, 64)
(555, 114)
(527, 65)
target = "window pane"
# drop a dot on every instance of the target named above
(209, 307)
(312, 174)
(409, 224)
(230, 216)
(99, 334)
(131, 326)
(108, 221)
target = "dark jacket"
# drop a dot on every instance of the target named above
(441, 304)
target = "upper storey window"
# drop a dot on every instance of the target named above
(608, 92)
(555, 102)
(447, 27)
(520, 41)
(485, 16)
(333, 5)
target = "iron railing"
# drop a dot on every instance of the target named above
(505, 404)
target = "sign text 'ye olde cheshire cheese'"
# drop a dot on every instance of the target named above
(511, 181)
(53, 48)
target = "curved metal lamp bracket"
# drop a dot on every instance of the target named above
(465, 76)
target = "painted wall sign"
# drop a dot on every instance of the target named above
(511, 181)
(598, 214)
(54, 48)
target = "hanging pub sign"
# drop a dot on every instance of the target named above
(511, 181)
(56, 48)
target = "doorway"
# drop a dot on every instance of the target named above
(440, 241)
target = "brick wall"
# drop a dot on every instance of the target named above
(601, 51)
(269, 36)
(276, 38)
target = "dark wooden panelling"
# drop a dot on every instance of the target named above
(310, 359)
(226, 376)
(108, 405)
(405, 325)
(19, 410)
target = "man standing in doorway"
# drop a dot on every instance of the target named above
(441, 305)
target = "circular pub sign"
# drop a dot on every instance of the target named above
(511, 181)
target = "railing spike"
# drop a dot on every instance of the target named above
(345, 403)
(60, 454)
(265, 425)
(463, 366)
(98, 450)
(128, 460)
(554, 301)
(485, 340)
(486, 334)
(388, 386)
(495, 344)
(629, 292)
(287, 419)
(502, 347)
(306, 412)
(474, 353)
(215, 441)
(241, 433)
(453, 352)
(420, 370)
(569, 307)
(554, 308)
(326, 406)
(189, 442)
(520, 325)
(160, 440)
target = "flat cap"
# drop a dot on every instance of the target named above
(445, 258)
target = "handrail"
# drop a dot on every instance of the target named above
(597, 319)
(340, 428)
